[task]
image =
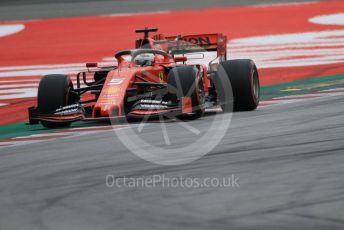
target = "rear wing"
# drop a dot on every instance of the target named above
(198, 43)
(187, 44)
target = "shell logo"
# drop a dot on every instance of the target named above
(161, 77)
(113, 90)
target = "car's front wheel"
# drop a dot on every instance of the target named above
(184, 81)
(54, 91)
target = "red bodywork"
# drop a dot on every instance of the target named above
(110, 102)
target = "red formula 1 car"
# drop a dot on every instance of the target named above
(154, 79)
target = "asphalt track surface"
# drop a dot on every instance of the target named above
(288, 158)
(37, 9)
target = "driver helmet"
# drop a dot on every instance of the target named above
(144, 59)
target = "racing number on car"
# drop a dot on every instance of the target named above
(161, 77)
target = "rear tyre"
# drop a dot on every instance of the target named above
(184, 81)
(54, 91)
(244, 78)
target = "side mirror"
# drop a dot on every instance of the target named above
(92, 65)
(180, 59)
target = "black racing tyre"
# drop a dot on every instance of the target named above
(184, 81)
(54, 92)
(244, 78)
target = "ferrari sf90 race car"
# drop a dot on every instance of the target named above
(166, 76)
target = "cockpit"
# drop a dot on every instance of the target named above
(143, 57)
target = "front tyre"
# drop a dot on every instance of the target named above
(54, 91)
(185, 81)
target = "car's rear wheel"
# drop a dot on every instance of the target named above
(54, 91)
(244, 79)
(184, 81)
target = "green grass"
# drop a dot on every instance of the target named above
(301, 86)
(22, 129)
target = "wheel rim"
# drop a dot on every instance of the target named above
(200, 92)
(255, 84)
